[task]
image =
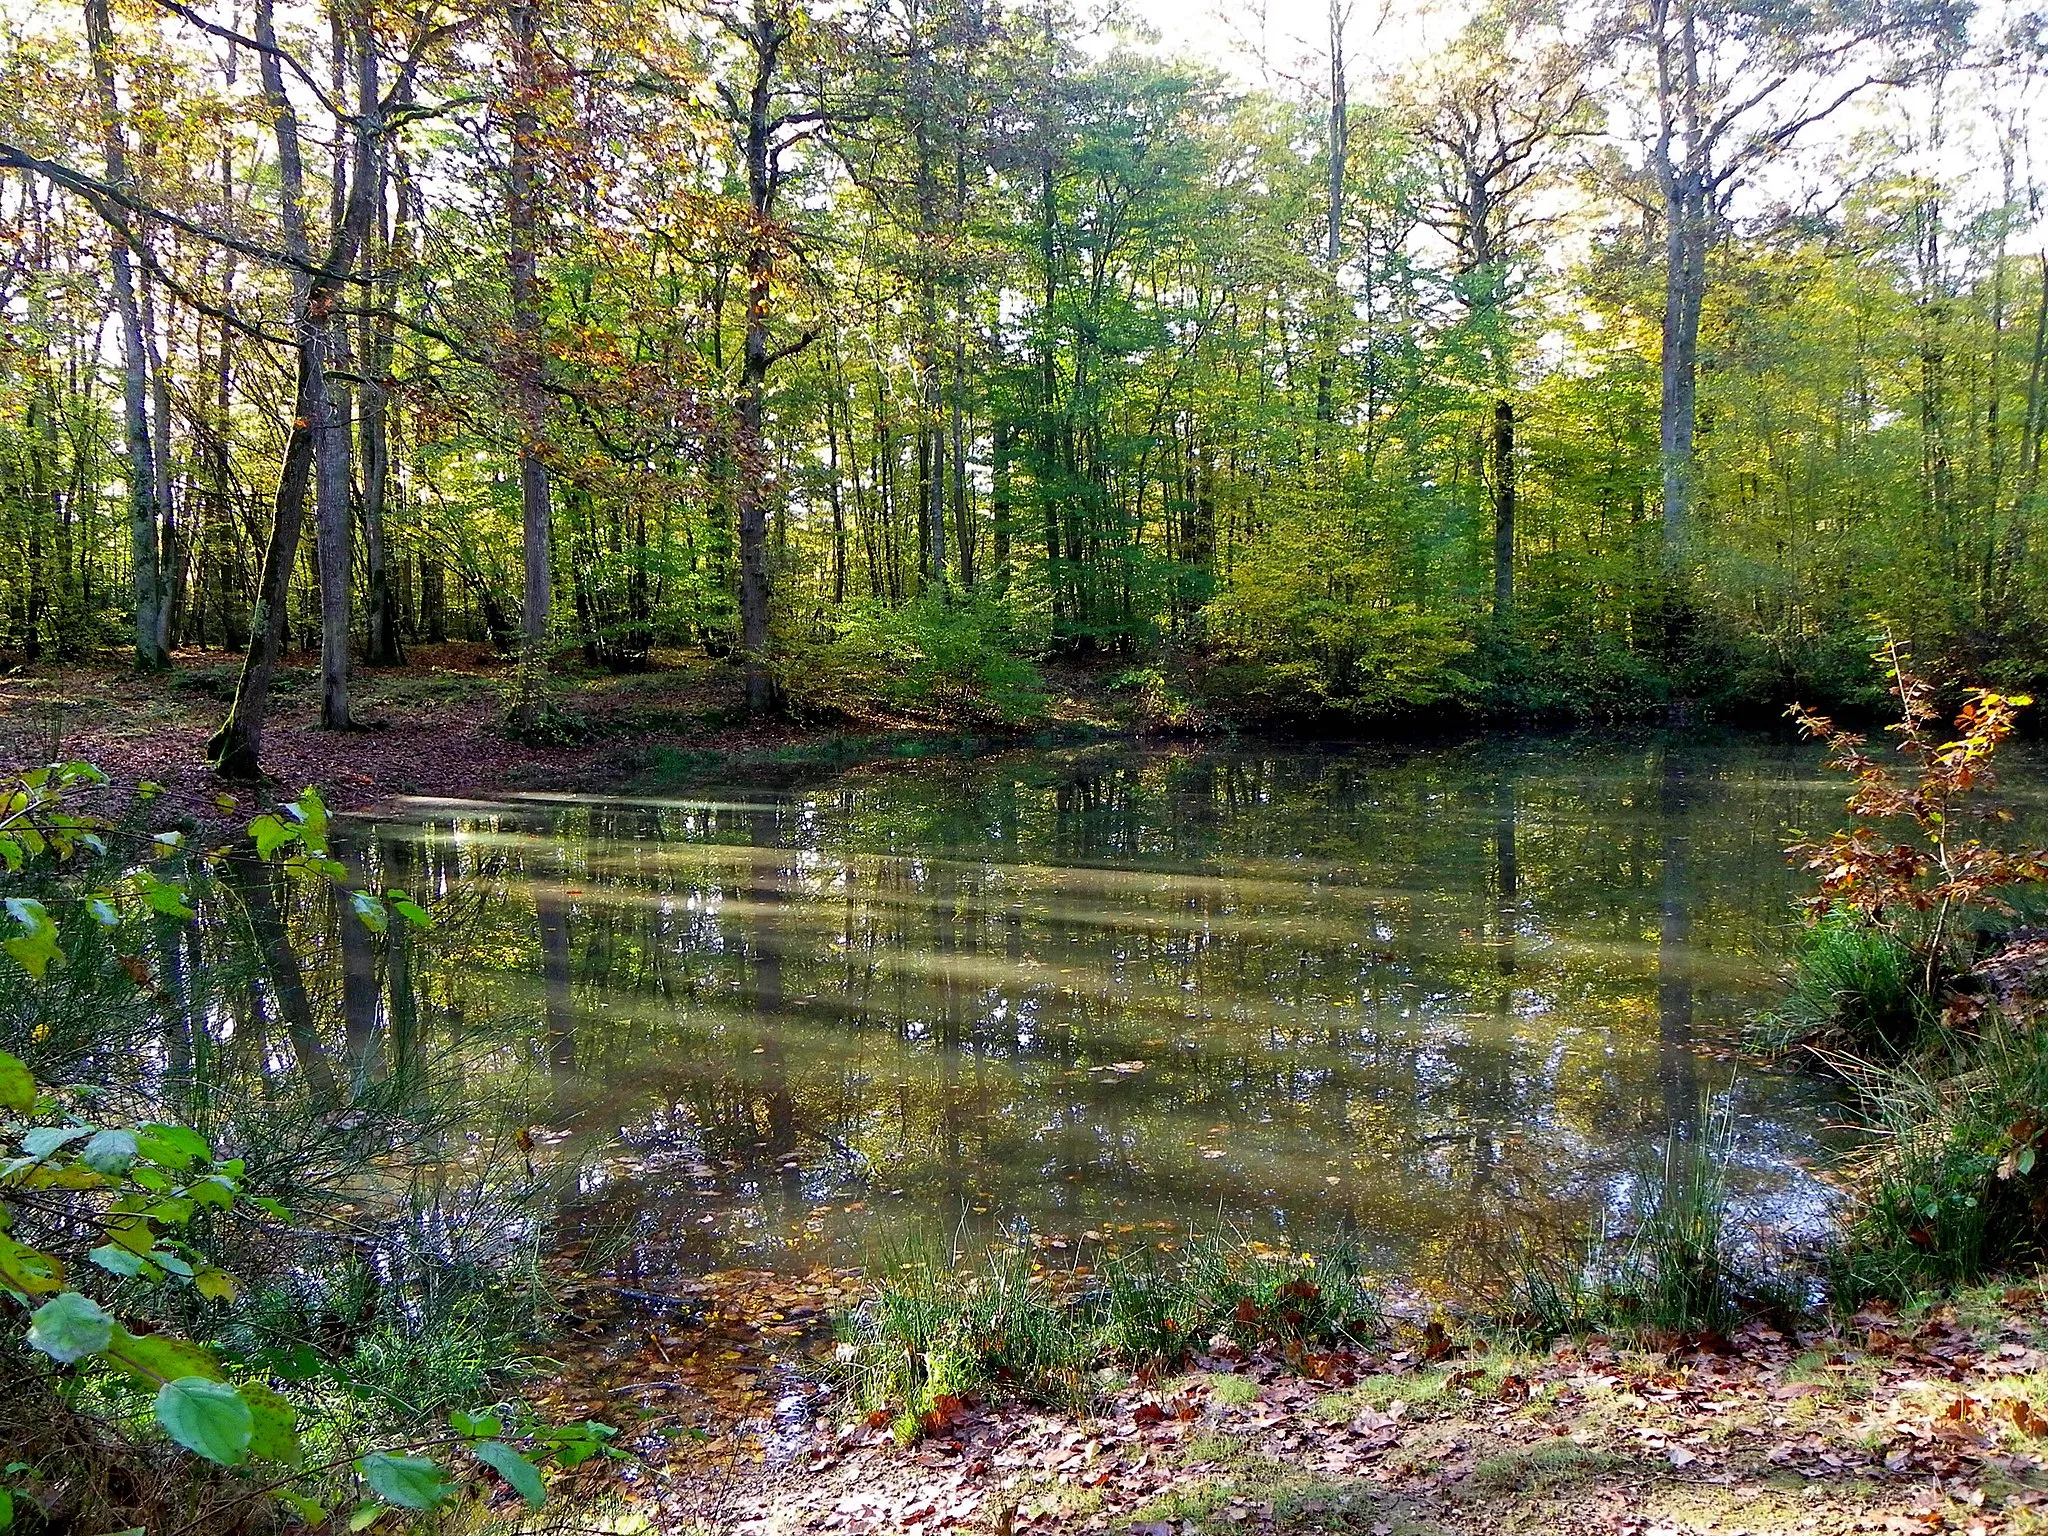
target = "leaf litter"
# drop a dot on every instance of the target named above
(1882, 1423)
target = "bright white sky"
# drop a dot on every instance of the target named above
(1251, 38)
(1283, 44)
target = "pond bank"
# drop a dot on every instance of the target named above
(434, 727)
(1924, 1422)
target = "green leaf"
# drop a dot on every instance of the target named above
(163, 896)
(117, 1261)
(29, 1270)
(174, 1146)
(370, 910)
(515, 1469)
(69, 1327)
(17, 1085)
(111, 1152)
(271, 834)
(476, 1426)
(409, 909)
(6, 1510)
(274, 1433)
(410, 1482)
(311, 811)
(34, 950)
(367, 1515)
(161, 1358)
(215, 1284)
(208, 1418)
(103, 911)
(45, 1139)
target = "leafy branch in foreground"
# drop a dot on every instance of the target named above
(1910, 855)
(132, 1203)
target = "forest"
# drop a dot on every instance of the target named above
(899, 767)
(1594, 363)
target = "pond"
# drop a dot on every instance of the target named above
(1439, 995)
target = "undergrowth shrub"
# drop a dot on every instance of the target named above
(1301, 639)
(1955, 1094)
(944, 655)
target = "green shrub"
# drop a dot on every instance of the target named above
(944, 655)
(1855, 986)
(1329, 636)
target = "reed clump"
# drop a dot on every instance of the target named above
(931, 1331)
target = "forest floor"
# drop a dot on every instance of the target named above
(1922, 1423)
(434, 727)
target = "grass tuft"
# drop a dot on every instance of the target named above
(1855, 986)
(927, 1331)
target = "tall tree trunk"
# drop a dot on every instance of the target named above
(1340, 145)
(168, 550)
(999, 503)
(235, 750)
(378, 333)
(1503, 508)
(522, 212)
(1688, 210)
(767, 35)
(334, 527)
(838, 500)
(142, 509)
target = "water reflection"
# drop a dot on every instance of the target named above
(1435, 994)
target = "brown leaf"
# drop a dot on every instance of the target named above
(2025, 1418)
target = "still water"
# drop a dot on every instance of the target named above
(1437, 994)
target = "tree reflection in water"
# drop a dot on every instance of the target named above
(1437, 994)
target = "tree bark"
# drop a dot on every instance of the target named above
(334, 528)
(235, 750)
(766, 35)
(522, 212)
(1503, 508)
(378, 334)
(1340, 144)
(142, 508)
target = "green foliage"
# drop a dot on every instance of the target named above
(944, 655)
(208, 1418)
(926, 1334)
(1313, 619)
(146, 1209)
(1950, 1190)
(1855, 986)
